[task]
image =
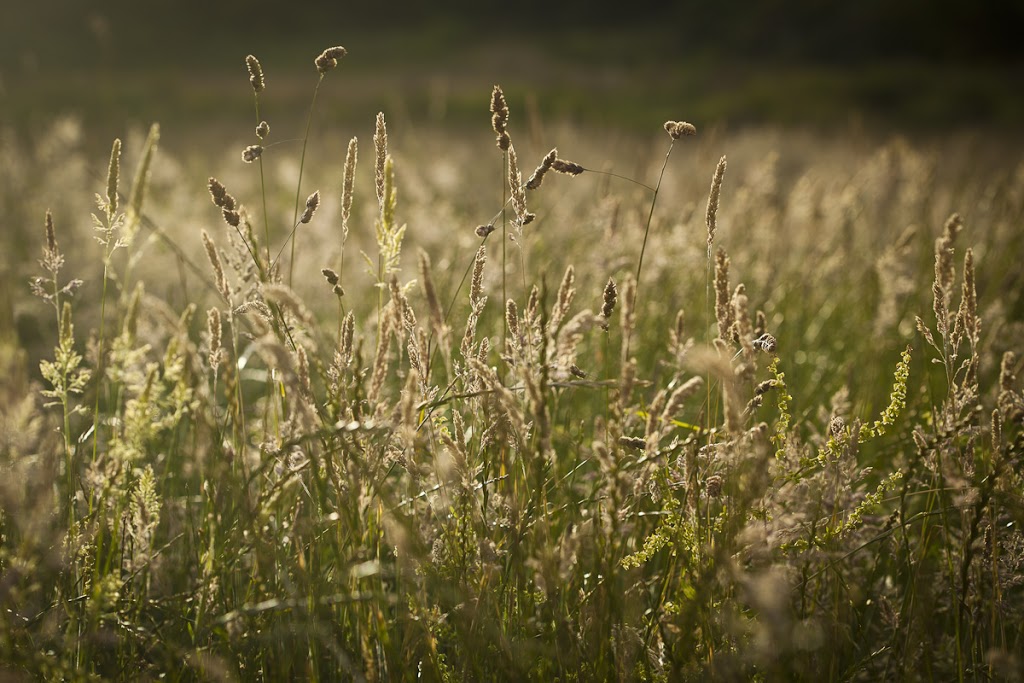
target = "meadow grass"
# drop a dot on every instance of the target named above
(770, 431)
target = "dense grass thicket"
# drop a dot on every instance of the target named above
(699, 406)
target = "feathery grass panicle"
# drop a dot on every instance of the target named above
(140, 185)
(711, 216)
(213, 329)
(742, 329)
(515, 183)
(476, 289)
(312, 203)
(433, 302)
(945, 273)
(538, 175)
(566, 293)
(499, 118)
(723, 309)
(252, 153)
(218, 266)
(255, 73)
(113, 173)
(512, 322)
(380, 146)
(966, 322)
(610, 296)
(566, 167)
(347, 184)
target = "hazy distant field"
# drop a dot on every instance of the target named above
(788, 446)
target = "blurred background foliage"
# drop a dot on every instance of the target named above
(914, 64)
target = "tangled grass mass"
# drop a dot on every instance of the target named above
(755, 419)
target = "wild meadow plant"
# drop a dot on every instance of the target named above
(431, 486)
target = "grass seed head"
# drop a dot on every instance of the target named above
(255, 73)
(677, 129)
(262, 130)
(312, 202)
(566, 167)
(252, 153)
(499, 118)
(113, 172)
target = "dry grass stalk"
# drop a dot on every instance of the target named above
(433, 303)
(515, 183)
(213, 328)
(711, 216)
(218, 266)
(113, 172)
(610, 297)
(380, 146)
(476, 288)
(566, 293)
(347, 183)
(723, 311)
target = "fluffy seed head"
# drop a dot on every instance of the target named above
(263, 130)
(220, 195)
(252, 153)
(255, 73)
(348, 178)
(499, 118)
(711, 217)
(312, 202)
(611, 295)
(330, 276)
(566, 167)
(328, 59)
(484, 230)
(677, 129)
(538, 175)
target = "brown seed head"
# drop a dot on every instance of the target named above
(499, 117)
(566, 167)
(220, 195)
(713, 486)
(677, 129)
(330, 276)
(263, 130)
(255, 73)
(252, 153)
(484, 230)
(538, 175)
(611, 295)
(51, 234)
(312, 202)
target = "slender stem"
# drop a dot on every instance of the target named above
(263, 187)
(647, 231)
(298, 185)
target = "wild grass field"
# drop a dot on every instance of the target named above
(387, 403)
